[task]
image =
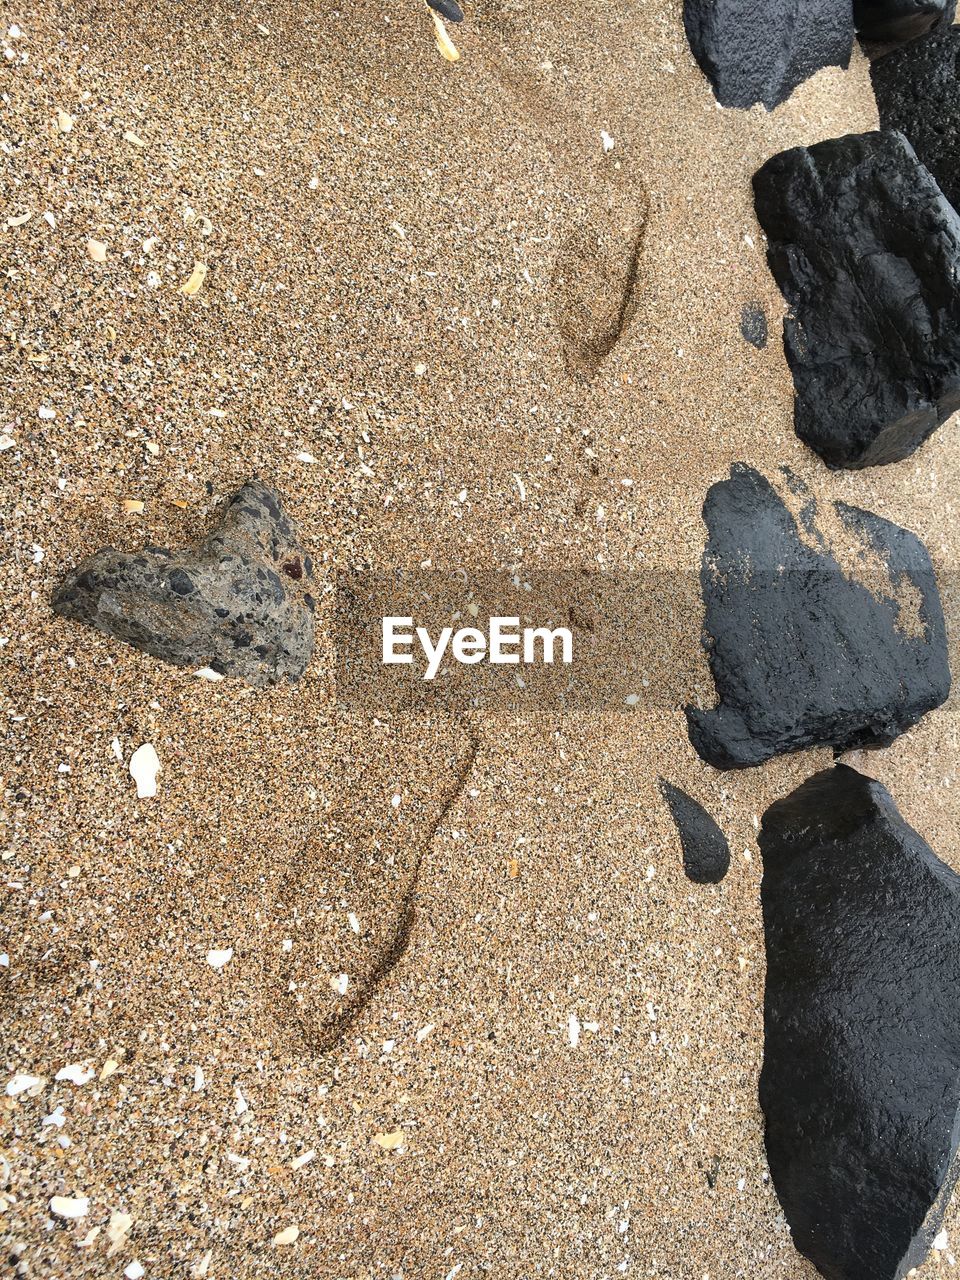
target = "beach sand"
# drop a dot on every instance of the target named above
(415, 268)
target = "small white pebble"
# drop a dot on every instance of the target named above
(608, 142)
(940, 1241)
(46, 413)
(134, 1271)
(217, 958)
(573, 1030)
(424, 1032)
(339, 983)
(286, 1236)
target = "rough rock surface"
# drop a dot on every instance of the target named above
(860, 1084)
(918, 92)
(753, 325)
(706, 854)
(866, 250)
(760, 50)
(802, 653)
(895, 21)
(239, 603)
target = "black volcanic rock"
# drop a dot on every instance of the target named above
(866, 250)
(239, 603)
(753, 325)
(448, 9)
(918, 92)
(706, 854)
(860, 1084)
(802, 653)
(760, 50)
(895, 21)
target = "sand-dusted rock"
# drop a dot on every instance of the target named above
(918, 92)
(239, 603)
(706, 854)
(803, 653)
(760, 50)
(860, 1084)
(867, 252)
(753, 325)
(895, 21)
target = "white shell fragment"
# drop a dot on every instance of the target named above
(21, 1083)
(287, 1235)
(216, 959)
(75, 1074)
(144, 767)
(70, 1206)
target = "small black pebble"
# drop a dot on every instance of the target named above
(753, 324)
(706, 854)
(448, 9)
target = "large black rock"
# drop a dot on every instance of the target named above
(760, 50)
(860, 1084)
(895, 21)
(804, 654)
(706, 854)
(867, 252)
(239, 603)
(918, 92)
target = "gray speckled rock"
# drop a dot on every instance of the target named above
(802, 653)
(239, 603)
(861, 1068)
(866, 250)
(760, 50)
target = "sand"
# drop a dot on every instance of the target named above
(393, 291)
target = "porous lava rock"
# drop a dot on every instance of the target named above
(760, 50)
(860, 1085)
(918, 92)
(866, 249)
(706, 854)
(804, 652)
(239, 603)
